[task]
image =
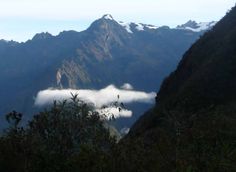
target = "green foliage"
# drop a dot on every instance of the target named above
(70, 136)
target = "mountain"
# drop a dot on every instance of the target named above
(193, 125)
(107, 52)
(196, 27)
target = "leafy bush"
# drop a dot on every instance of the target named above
(70, 136)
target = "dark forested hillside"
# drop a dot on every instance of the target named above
(193, 126)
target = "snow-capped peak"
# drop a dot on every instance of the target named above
(196, 27)
(108, 17)
(132, 27)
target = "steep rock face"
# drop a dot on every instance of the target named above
(69, 74)
(192, 127)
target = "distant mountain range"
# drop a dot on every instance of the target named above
(196, 27)
(107, 52)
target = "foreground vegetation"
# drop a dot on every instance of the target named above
(70, 136)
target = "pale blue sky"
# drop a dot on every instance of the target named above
(21, 19)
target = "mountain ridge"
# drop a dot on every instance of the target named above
(194, 118)
(103, 54)
(190, 25)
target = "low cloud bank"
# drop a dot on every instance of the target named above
(115, 112)
(98, 98)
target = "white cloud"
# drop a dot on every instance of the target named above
(115, 112)
(127, 86)
(125, 130)
(99, 98)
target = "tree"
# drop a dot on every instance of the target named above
(70, 136)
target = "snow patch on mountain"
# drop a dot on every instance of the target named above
(132, 27)
(108, 17)
(151, 26)
(196, 27)
(126, 26)
(139, 27)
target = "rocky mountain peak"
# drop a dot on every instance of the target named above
(108, 17)
(43, 35)
(190, 23)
